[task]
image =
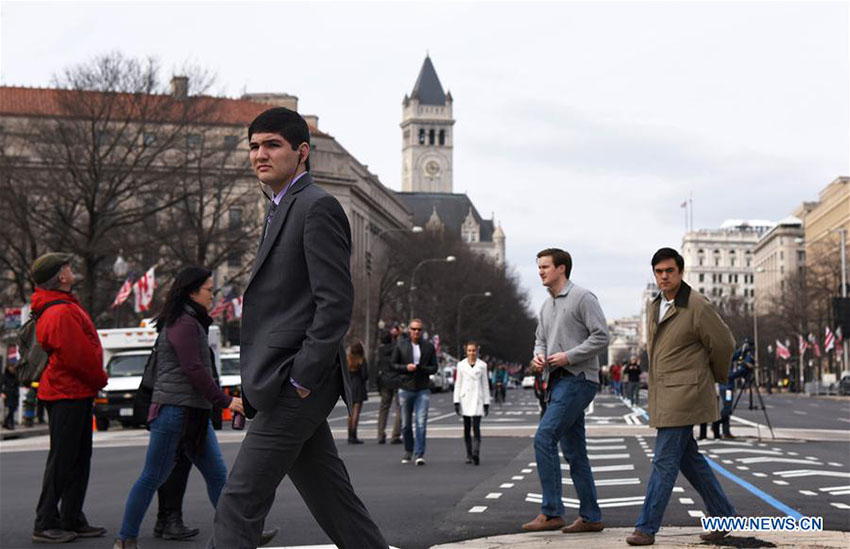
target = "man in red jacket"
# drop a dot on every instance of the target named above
(73, 376)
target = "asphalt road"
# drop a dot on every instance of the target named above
(447, 500)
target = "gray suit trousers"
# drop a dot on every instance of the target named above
(293, 439)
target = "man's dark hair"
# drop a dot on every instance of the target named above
(470, 342)
(559, 257)
(668, 253)
(284, 122)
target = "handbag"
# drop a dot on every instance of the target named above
(144, 394)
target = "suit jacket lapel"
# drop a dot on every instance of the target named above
(277, 223)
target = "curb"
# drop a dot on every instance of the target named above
(668, 537)
(24, 432)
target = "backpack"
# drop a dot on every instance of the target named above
(33, 359)
(144, 395)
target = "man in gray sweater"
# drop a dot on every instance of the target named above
(571, 332)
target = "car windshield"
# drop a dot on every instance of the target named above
(126, 365)
(230, 366)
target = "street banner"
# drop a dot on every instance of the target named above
(782, 350)
(235, 310)
(143, 291)
(12, 318)
(828, 340)
(123, 293)
(813, 343)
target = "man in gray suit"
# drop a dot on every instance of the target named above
(297, 309)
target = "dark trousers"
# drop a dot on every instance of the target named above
(170, 495)
(9, 420)
(293, 439)
(389, 398)
(66, 474)
(473, 441)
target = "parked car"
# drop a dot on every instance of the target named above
(116, 401)
(844, 385)
(528, 382)
(449, 378)
(437, 382)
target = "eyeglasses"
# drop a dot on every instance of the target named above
(415, 329)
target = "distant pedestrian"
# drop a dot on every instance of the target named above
(11, 393)
(472, 399)
(414, 359)
(72, 378)
(571, 332)
(184, 394)
(358, 369)
(632, 373)
(616, 372)
(388, 387)
(689, 349)
(500, 384)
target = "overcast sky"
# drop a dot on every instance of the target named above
(581, 125)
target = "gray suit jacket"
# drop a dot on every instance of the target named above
(297, 305)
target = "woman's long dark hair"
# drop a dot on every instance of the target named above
(187, 281)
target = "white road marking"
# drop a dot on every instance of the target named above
(811, 473)
(517, 477)
(478, 509)
(493, 495)
(760, 475)
(728, 461)
(507, 485)
(678, 489)
(799, 413)
(608, 456)
(686, 501)
(808, 492)
(607, 481)
(777, 460)
(743, 468)
(603, 503)
(793, 454)
(438, 418)
(696, 514)
(834, 464)
(834, 488)
(840, 505)
(780, 482)
(745, 451)
(605, 440)
(525, 471)
(605, 448)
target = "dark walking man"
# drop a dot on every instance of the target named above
(70, 381)
(571, 332)
(689, 349)
(388, 387)
(297, 310)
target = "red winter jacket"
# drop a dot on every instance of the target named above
(75, 369)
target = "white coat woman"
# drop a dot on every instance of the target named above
(472, 399)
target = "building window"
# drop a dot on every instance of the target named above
(235, 218)
(422, 136)
(431, 137)
(193, 140)
(702, 291)
(148, 139)
(230, 141)
(442, 137)
(732, 261)
(702, 277)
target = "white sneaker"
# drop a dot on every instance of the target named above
(406, 458)
(420, 461)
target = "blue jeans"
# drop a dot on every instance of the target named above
(160, 460)
(414, 405)
(563, 423)
(676, 450)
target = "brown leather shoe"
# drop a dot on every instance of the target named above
(640, 538)
(717, 535)
(541, 524)
(581, 525)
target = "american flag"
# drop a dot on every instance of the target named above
(803, 345)
(828, 340)
(123, 293)
(782, 350)
(220, 307)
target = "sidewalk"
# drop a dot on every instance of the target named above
(612, 538)
(23, 432)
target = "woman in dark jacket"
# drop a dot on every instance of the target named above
(358, 369)
(183, 397)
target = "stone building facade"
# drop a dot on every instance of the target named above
(779, 254)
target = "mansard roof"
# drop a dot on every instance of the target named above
(451, 208)
(428, 89)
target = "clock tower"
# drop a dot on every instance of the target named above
(426, 130)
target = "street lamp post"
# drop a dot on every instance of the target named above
(459, 311)
(415, 229)
(843, 232)
(447, 259)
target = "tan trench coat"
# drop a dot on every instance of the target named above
(689, 351)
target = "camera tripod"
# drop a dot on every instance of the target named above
(749, 384)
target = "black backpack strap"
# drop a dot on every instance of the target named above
(35, 314)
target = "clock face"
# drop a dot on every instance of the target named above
(432, 168)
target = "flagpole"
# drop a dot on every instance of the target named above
(691, 201)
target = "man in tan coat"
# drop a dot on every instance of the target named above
(689, 350)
